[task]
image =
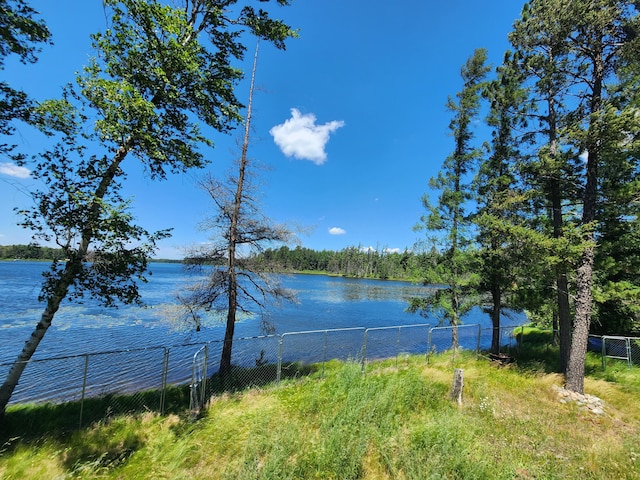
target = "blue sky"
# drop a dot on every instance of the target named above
(350, 119)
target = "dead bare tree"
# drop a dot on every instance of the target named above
(236, 282)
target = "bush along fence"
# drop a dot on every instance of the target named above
(172, 379)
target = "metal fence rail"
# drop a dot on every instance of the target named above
(626, 349)
(198, 386)
(141, 379)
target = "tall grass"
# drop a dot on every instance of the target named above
(389, 423)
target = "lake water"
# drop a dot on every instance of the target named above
(323, 303)
(130, 333)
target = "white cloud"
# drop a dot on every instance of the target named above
(337, 231)
(391, 250)
(301, 138)
(14, 170)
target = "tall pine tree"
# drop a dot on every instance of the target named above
(448, 222)
(497, 194)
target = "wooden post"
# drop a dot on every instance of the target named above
(458, 385)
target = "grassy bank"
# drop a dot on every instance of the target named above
(391, 423)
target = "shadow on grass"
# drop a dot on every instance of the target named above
(27, 423)
(34, 421)
(535, 351)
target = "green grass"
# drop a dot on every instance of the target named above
(389, 423)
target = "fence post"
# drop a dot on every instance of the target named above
(324, 352)
(397, 347)
(163, 380)
(84, 387)
(199, 382)
(479, 336)
(203, 391)
(428, 344)
(364, 349)
(279, 372)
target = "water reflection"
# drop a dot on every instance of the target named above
(353, 290)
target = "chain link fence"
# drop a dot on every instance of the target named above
(617, 348)
(612, 348)
(172, 379)
(394, 342)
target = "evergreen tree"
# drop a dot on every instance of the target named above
(575, 51)
(602, 30)
(498, 195)
(449, 218)
(543, 57)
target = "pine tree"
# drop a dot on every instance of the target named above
(543, 57)
(448, 221)
(498, 195)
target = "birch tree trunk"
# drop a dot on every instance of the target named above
(72, 270)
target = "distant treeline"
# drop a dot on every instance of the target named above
(354, 261)
(30, 252)
(37, 252)
(351, 262)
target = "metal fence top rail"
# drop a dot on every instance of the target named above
(399, 326)
(92, 354)
(464, 325)
(326, 330)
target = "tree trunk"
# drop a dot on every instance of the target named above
(13, 377)
(584, 296)
(564, 319)
(556, 329)
(455, 341)
(454, 320)
(562, 285)
(234, 240)
(227, 347)
(579, 339)
(577, 355)
(60, 292)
